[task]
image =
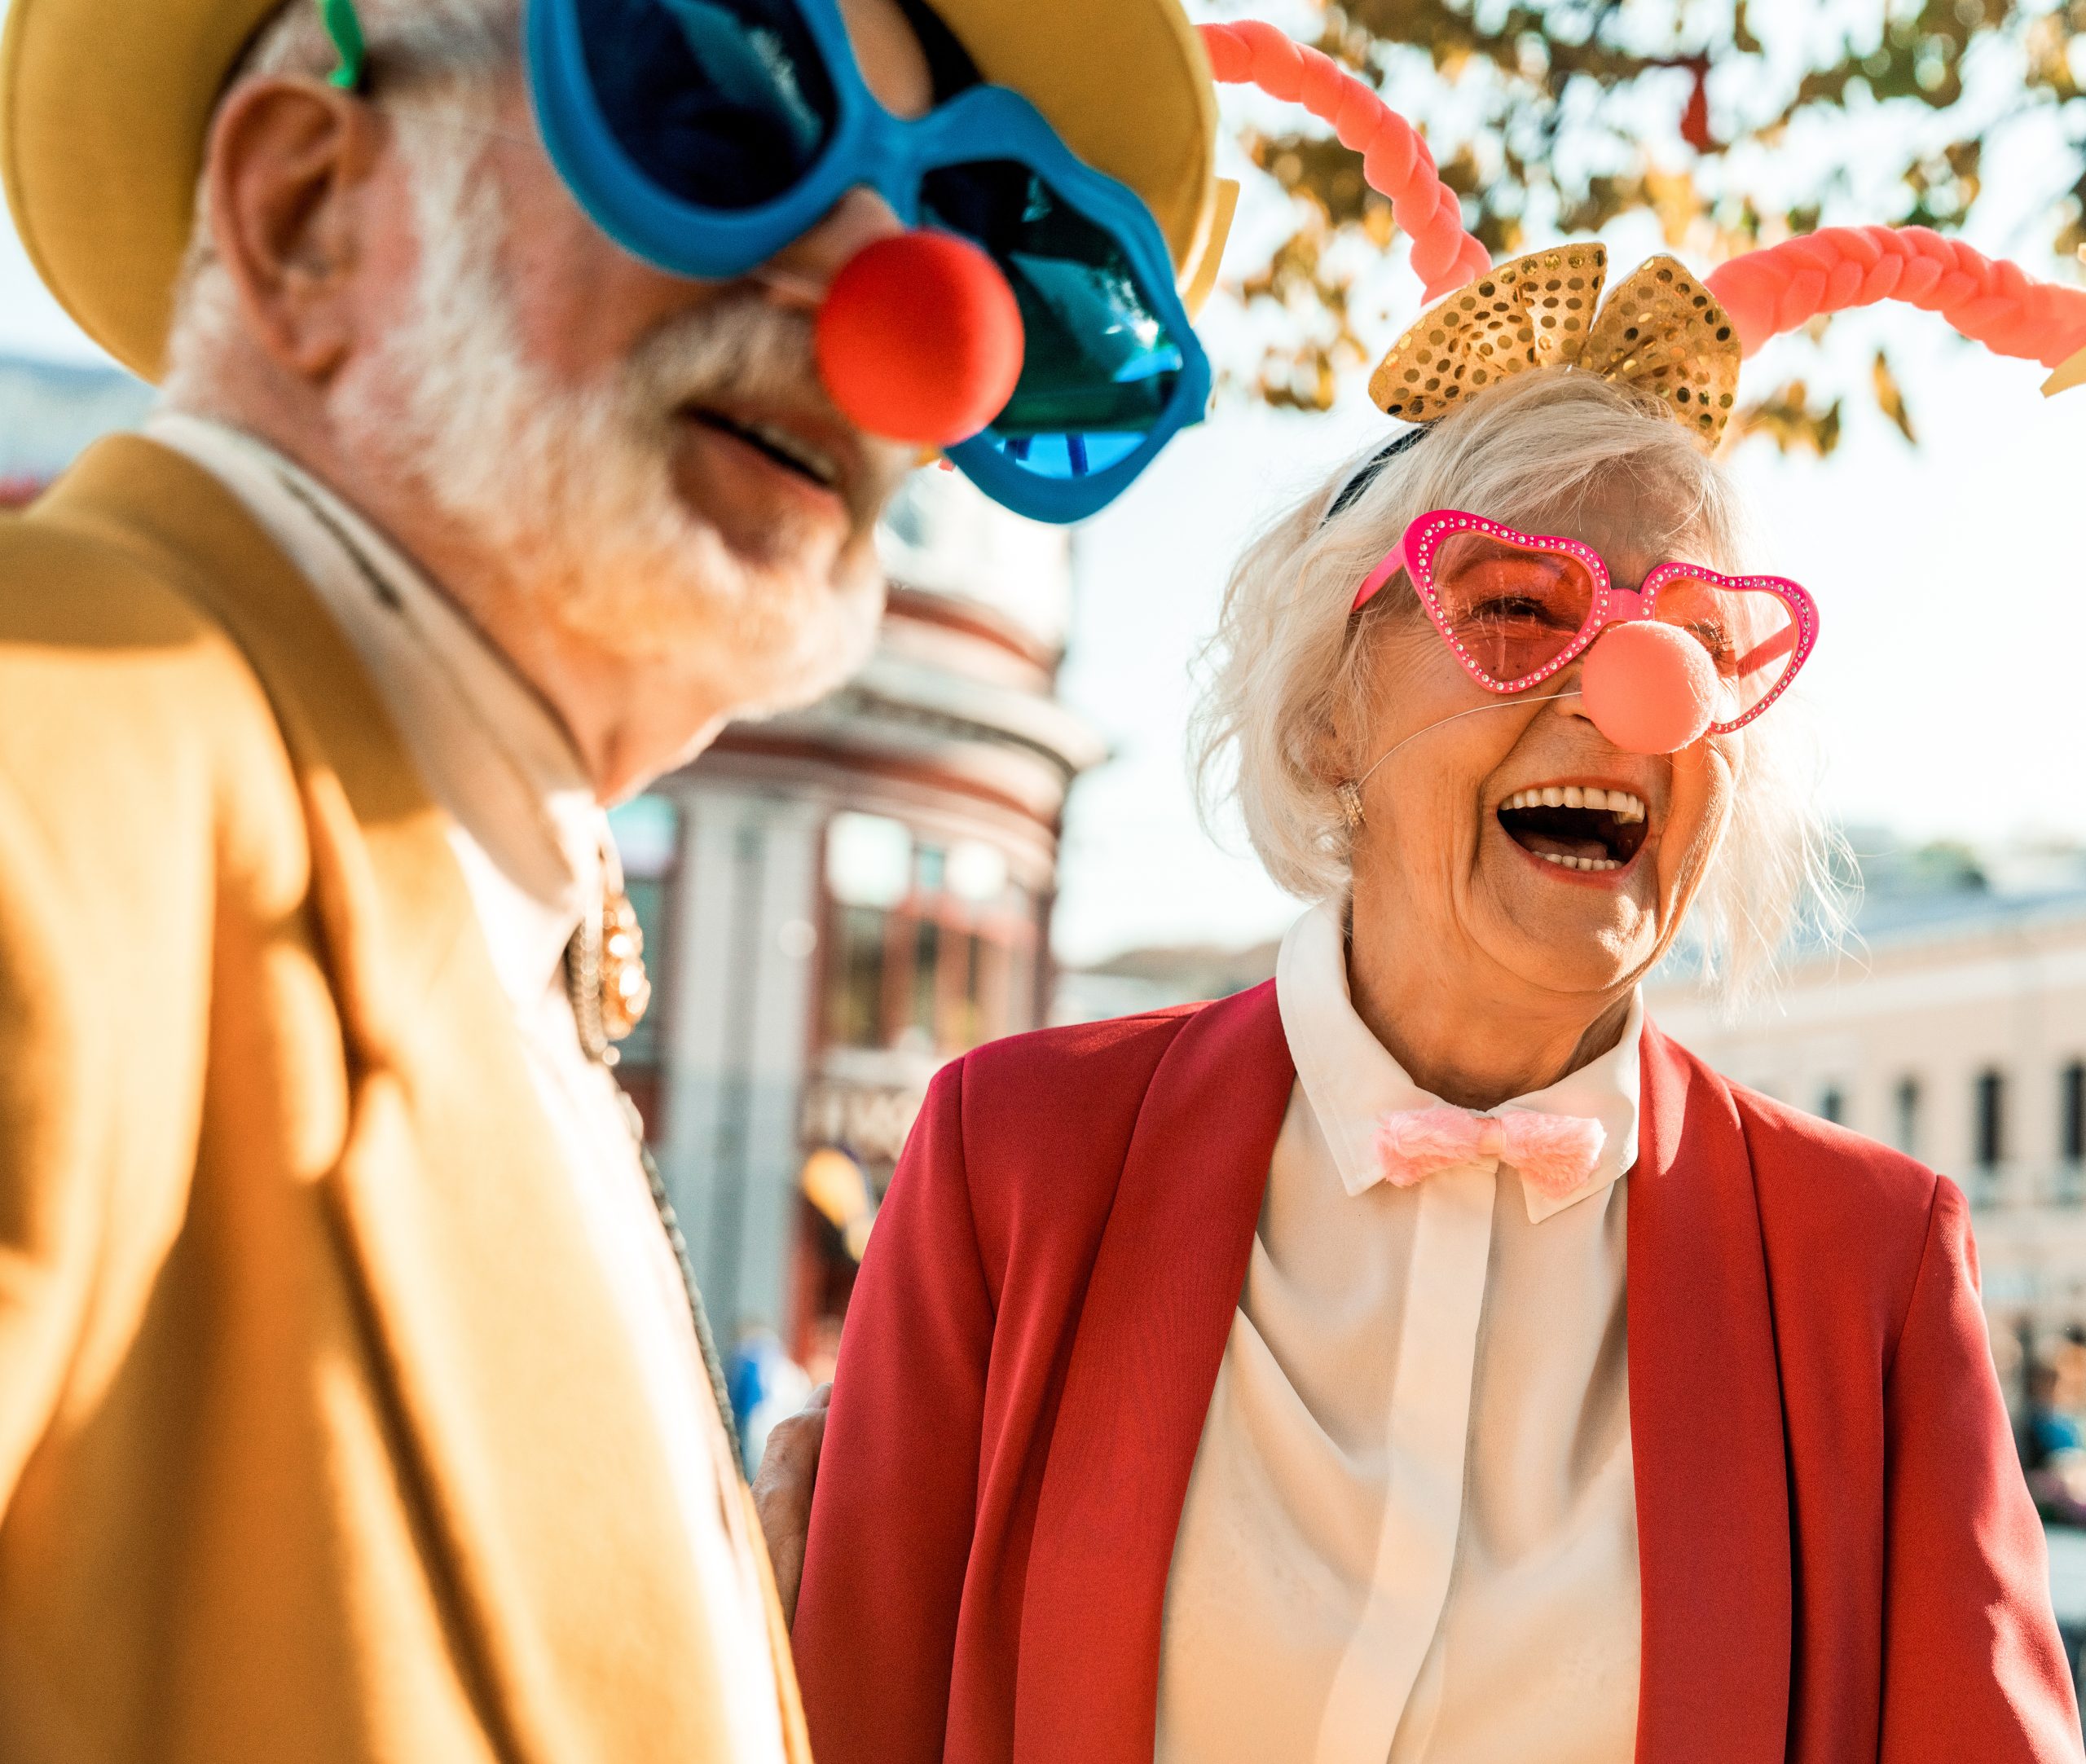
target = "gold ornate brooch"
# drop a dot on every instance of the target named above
(604, 972)
(1659, 330)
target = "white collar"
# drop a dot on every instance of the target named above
(1350, 1078)
(489, 751)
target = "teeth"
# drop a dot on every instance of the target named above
(1563, 862)
(821, 465)
(1619, 803)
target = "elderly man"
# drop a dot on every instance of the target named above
(352, 1405)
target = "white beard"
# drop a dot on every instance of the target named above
(570, 489)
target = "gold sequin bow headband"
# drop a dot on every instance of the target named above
(1680, 339)
(1659, 330)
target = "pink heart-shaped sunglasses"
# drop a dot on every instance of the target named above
(1517, 607)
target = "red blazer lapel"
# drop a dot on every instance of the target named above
(1165, 1284)
(1705, 1419)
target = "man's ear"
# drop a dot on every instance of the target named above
(288, 160)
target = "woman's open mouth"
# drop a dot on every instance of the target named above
(1576, 826)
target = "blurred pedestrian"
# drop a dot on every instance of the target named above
(2053, 1448)
(765, 1386)
(2045, 1429)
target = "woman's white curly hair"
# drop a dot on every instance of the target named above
(1287, 657)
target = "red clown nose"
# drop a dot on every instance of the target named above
(919, 340)
(1649, 688)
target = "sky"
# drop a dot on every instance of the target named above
(1945, 691)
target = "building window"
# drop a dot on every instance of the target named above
(929, 942)
(922, 1019)
(1990, 1120)
(855, 964)
(1907, 1111)
(1833, 1105)
(2071, 1112)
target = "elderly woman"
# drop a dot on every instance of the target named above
(1420, 1358)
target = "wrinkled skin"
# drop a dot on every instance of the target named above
(1486, 972)
(313, 218)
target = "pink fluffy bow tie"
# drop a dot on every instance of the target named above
(1555, 1153)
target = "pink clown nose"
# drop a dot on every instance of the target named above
(919, 339)
(1649, 688)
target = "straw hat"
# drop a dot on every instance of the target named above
(104, 105)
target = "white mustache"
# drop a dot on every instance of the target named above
(741, 348)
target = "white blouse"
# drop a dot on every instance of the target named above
(1410, 1534)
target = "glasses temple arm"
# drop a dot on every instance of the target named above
(343, 30)
(1378, 577)
(1772, 650)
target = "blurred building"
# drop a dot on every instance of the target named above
(1954, 1028)
(834, 902)
(838, 901)
(1154, 977)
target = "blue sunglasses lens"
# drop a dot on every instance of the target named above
(1101, 364)
(724, 103)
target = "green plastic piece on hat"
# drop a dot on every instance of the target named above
(344, 29)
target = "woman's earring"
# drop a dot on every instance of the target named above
(1349, 793)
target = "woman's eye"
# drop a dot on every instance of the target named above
(1510, 610)
(1717, 641)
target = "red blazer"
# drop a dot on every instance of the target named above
(1839, 1560)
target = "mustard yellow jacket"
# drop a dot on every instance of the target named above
(317, 1438)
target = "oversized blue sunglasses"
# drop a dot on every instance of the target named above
(705, 135)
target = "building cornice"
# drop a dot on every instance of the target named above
(974, 618)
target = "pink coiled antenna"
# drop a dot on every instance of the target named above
(1782, 288)
(1394, 158)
